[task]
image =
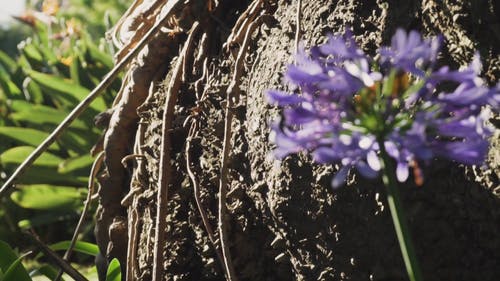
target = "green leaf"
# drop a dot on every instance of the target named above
(71, 91)
(16, 156)
(99, 55)
(16, 272)
(25, 112)
(413, 88)
(48, 54)
(79, 142)
(31, 53)
(24, 136)
(80, 246)
(11, 265)
(370, 122)
(388, 85)
(47, 271)
(42, 33)
(48, 197)
(7, 256)
(46, 218)
(23, 63)
(76, 164)
(7, 62)
(114, 271)
(32, 90)
(19, 105)
(74, 69)
(44, 170)
(7, 85)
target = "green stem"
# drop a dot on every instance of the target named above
(398, 217)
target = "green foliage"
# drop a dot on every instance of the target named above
(80, 246)
(114, 273)
(93, 12)
(63, 58)
(55, 68)
(55, 197)
(11, 268)
(11, 36)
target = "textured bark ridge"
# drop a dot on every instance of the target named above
(282, 220)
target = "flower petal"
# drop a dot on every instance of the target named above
(373, 160)
(325, 155)
(282, 98)
(340, 177)
(402, 172)
(365, 170)
(469, 152)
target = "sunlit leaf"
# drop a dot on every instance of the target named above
(74, 69)
(76, 164)
(43, 171)
(114, 271)
(32, 54)
(24, 136)
(47, 197)
(48, 175)
(7, 62)
(99, 55)
(70, 90)
(79, 142)
(23, 63)
(80, 246)
(41, 114)
(46, 218)
(16, 156)
(32, 91)
(7, 85)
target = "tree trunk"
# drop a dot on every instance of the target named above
(282, 220)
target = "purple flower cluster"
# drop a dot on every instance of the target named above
(345, 105)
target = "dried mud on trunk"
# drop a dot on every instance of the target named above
(284, 221)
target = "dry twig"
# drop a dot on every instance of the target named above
(64, 265)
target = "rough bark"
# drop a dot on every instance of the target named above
(283, 220)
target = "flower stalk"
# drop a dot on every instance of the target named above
(398, 217)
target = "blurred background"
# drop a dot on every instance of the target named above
(52, 54)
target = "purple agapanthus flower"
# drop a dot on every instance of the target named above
(410, 53)
(346, 105)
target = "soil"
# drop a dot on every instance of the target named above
(284, 220)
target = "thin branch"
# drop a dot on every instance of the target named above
(64, 265)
